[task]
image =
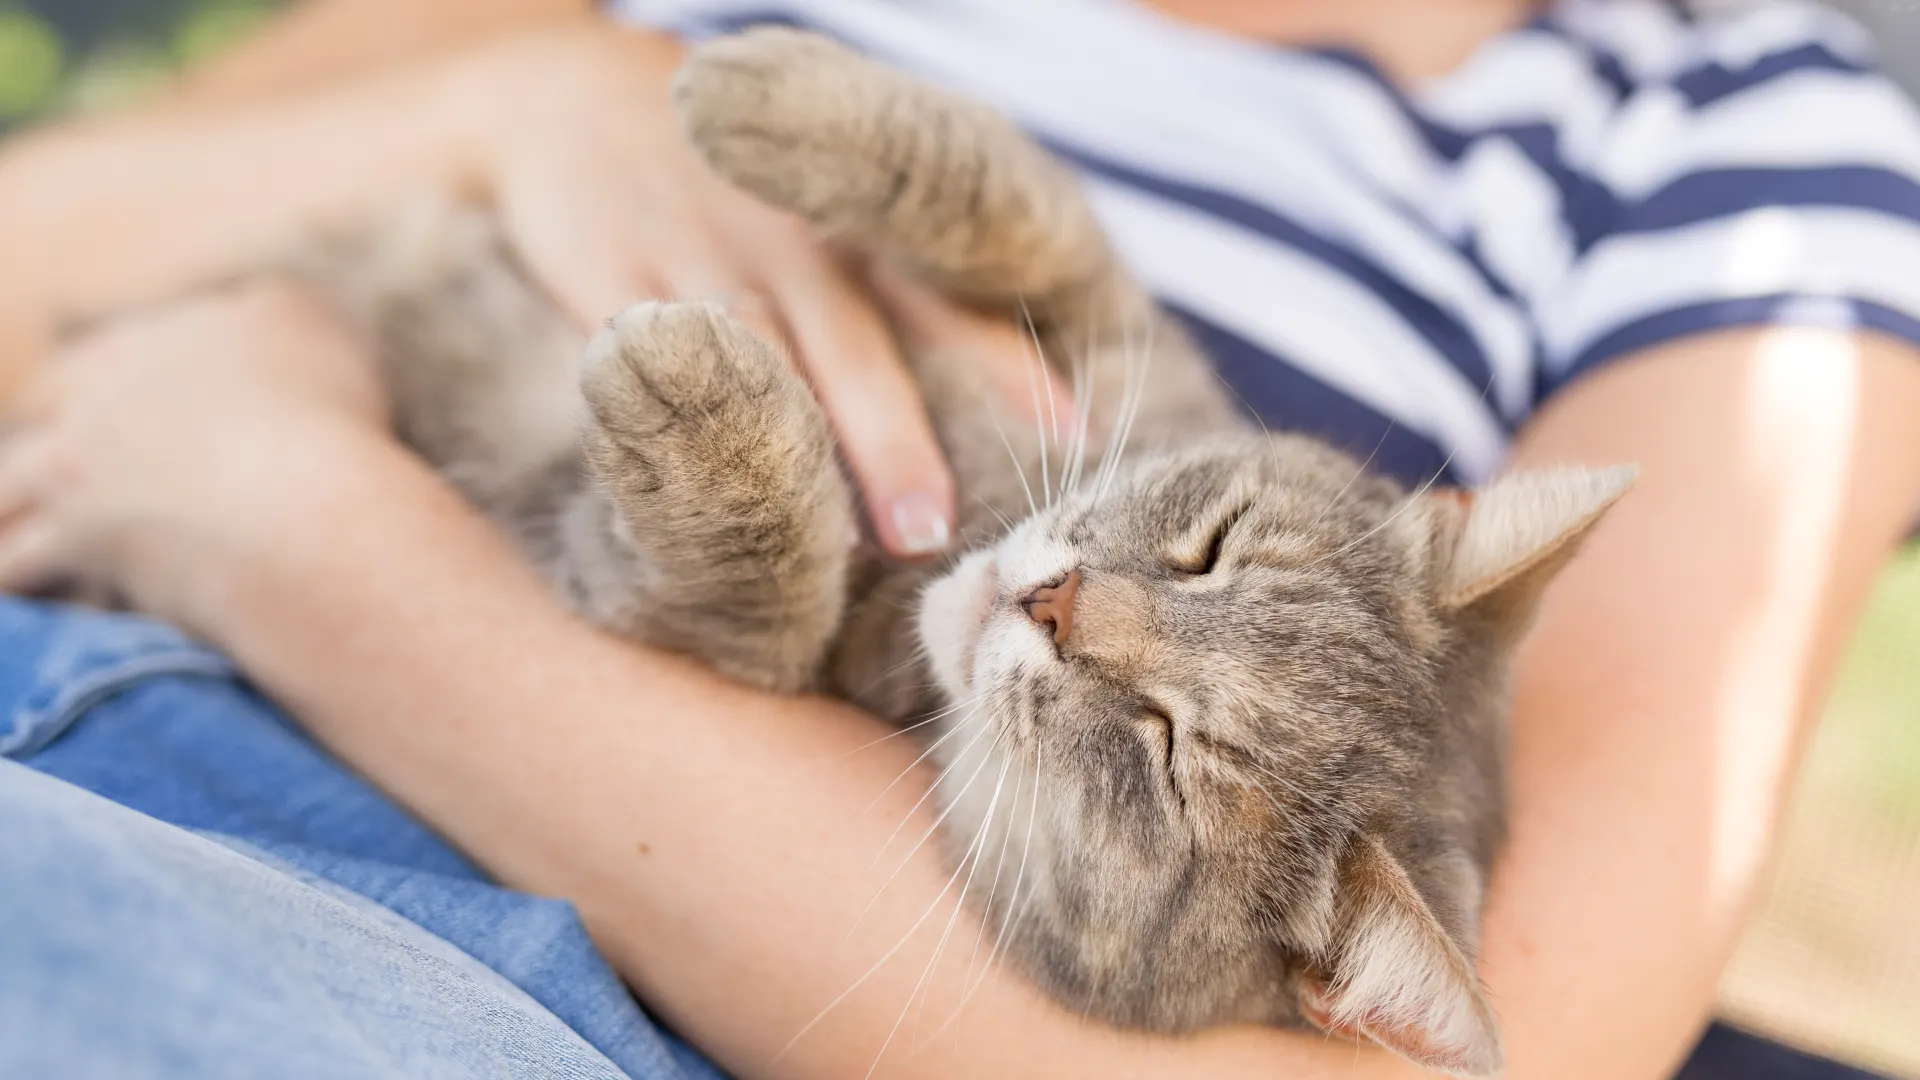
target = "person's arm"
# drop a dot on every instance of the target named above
(1678, 666)
(129, 208)
(722, 844)
(99, 205)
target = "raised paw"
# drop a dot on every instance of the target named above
(718, 471)
(868, 154)
(679, 388)
(790, 117)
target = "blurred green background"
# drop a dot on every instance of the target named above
(75, 55)
(1832, 957)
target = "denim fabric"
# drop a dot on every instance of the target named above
(260, 899)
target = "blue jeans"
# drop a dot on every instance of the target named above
(191, 888)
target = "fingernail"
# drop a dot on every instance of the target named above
(921, 524)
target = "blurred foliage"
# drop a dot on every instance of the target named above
(1874, 717)
(60, 56)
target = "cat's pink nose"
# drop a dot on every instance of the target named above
(1052, 606)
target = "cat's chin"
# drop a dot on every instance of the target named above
(953, 613)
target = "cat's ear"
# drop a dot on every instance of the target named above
(1507, 539)
(1395, 977)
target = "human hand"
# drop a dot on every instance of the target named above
(151, 453)
(575, 141)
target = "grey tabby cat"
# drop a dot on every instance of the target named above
(1244, 702)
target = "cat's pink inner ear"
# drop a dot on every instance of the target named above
(1398, 979)
(1519, 530)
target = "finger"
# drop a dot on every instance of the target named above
(594, 268)
(29, 555)
(598, 268)
(848, 352)
(1005, 352)
(695, 280)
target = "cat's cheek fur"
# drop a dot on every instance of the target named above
(953, 613)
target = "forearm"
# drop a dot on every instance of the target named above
(1679, 663)
(128, 210)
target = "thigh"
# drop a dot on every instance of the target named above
(135, 713)
(135, 948)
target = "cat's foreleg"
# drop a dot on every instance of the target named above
(959, 196)
(722, 507)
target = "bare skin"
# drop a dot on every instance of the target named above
(1662, 701)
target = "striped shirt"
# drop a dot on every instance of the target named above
(1410, 273)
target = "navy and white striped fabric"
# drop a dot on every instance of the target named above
(1411, 274)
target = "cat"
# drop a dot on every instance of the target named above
(1245, 701)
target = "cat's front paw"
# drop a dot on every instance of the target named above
(718, 474)
(684, 389)
(790, 117)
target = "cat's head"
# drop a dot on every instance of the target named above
(1226, 736)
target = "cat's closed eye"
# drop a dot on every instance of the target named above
(1210, 558)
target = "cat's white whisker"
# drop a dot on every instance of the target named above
(1131, 410)
(1081, 370)
(931, 829)
(1110, 452)
(1357, 473)
(958, 759)
(1247, 406)
(1082, 373)
(1131, 399)
(1418, 493)
(915, 763)
(908, 860)
(1037, 374)
(1014, 911)
(916, 725)
(870, 972)
(1018, 468)
(1053, 410)
(958, 904)
(1262, 789)
(972, 860)
(993, 892)
(917, 654)
(1005, 521)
